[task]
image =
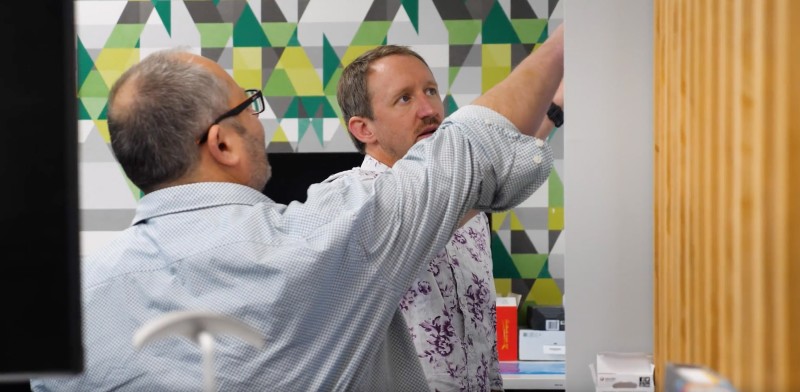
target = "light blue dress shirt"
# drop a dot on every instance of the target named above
(320, 280)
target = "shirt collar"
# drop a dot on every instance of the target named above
(196, 196)
(373, 164)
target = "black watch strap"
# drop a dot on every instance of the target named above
(556, 115)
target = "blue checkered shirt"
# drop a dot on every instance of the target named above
(321, 280)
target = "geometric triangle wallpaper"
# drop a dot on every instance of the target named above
(295, 51)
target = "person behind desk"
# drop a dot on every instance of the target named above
(321, 280)
(390, 101)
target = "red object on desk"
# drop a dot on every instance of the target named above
(507, 334)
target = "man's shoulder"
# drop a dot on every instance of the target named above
(356, 173)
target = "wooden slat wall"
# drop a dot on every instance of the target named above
(727, 189)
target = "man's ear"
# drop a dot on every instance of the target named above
(223, 145)
(359, 127)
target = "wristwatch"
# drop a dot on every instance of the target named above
(556, 115)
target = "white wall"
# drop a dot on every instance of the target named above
(609, 177)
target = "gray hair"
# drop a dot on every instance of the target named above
(352, 93)
(173, 101)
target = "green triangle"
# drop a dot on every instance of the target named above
(497, 29)
(125, 36)
(452, 73)
(529, 265)
(280, 33)
(529, 30)
(316, 123)
(371, 33)
(94, 106)
(93, 86)
(104, 113)
(247, 32)
(83, 114)
(85, 63)
(502, 263)
(138, 43)
(555, 190)
(450, 105)
(214, 35)
(165, 12)
(330, 87)
(302, 127)
(293, 111)
(294, 41)
(314, 103)
(544, 36)
(279, 84)
(412, 9)
(333, 105)
(330, 61)
(545, 272)
(216, 2)
(463, 32)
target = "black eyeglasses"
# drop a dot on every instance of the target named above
(255, 101)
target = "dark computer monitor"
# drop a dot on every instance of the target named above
(40, 331)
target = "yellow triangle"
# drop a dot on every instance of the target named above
(545, 292)
(515, 223)
(305, 79)
(111, 63)
(247, 70)
(354, 51)
(497, 220)
(102, 127)
(279, 135)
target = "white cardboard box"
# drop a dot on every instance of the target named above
(537, 345)
(629, 372)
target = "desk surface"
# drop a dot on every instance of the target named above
(533, 374)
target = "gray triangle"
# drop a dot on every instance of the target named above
(94, 53)
(279, 147)
(519, 52)
(340, 142)
(279, 105)
(520, 9)
(458, 54)
(301, 7)
(231, 10)
(270, 127)
(314, 54)
(520, 243)
(474, 58)
(270, 12)
(203, 11)
(553, 237)
(553, 4)
(452, 10)
(95, 149)
(310, 142)
(340, 51)
(382, 10)
(225, 59)
(212, 53)
(541, 8)
(136, 12)
(479, 9)
(270, 57)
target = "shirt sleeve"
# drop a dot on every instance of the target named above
(476, 160)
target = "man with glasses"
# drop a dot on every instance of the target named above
(320, 280)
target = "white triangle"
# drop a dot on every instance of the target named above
(290, 129)
(289, 9)
(103, 186)
(95, 20)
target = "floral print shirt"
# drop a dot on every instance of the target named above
(450, 308)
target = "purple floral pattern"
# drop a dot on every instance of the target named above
(450, 309)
